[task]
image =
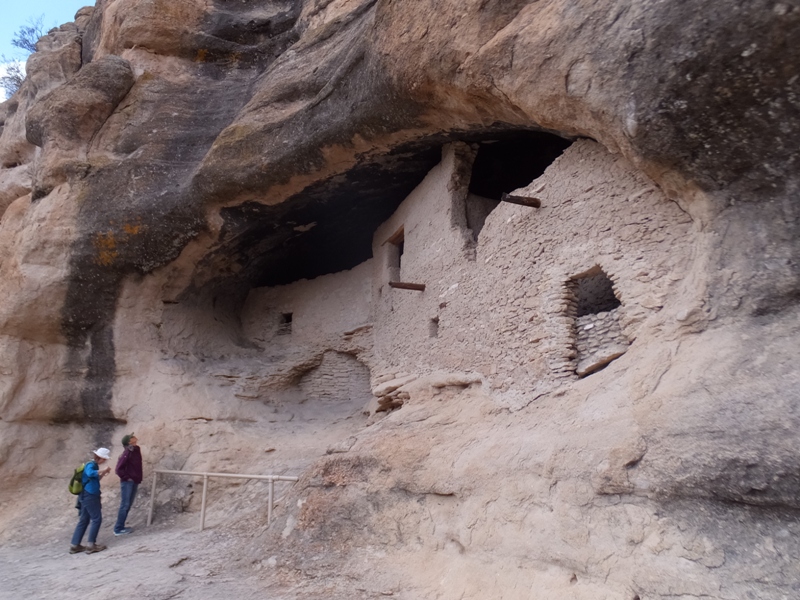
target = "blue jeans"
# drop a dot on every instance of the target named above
(91, 512)
(126, 498)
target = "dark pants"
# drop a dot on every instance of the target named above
(91, 512)
(126, 498)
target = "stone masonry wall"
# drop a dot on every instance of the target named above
(598, 341)
(339, 377)
(506, 313)
(324, 353)
(503, 307)
(322, 308)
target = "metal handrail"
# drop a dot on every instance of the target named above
(271, 479)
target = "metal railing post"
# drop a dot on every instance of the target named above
(271, 500)
(270, 479)
(203, 504)
(152, 499)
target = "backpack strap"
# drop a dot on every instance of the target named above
(84, 478)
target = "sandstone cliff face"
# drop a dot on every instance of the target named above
(204, 204)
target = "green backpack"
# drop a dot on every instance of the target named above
(76, 483)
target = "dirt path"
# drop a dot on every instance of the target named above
(167, 560)
(171, 558)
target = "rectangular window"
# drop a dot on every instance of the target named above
(396, 246)
(433, 327)
(285, 324)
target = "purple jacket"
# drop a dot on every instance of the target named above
(129, 465)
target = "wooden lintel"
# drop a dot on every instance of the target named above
(522, 200)
(396, 238)
(402, 285)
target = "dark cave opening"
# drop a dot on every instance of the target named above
(594, 293)
(328, 227)
(509, 163)
(285, 324)
(505, 164)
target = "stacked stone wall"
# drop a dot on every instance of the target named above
(324, 351)
(339, 377)
(507, 314)
(321, 309)
(598, 340)
(506, 306)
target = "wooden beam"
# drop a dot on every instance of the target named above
(401, 285)
(397, 237)
(521, 200)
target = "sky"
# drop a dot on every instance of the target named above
(17, 12)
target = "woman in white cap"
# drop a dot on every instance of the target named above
(91, 511)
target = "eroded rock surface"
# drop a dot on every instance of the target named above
(205, 206)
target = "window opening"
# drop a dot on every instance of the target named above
(285, 324)
(595, 308)
(396, 249)
(595, 294)
(433, 328)
(504, 165)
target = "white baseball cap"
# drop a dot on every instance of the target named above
(103, 453)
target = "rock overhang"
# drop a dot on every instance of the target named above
(329, 225)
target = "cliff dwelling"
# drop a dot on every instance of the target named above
(404, 299)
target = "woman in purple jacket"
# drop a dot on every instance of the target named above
(129, 471)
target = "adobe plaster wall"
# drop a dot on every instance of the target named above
(321, 308)
(316, 353)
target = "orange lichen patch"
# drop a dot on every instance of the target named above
(107, 242)
(201, 55)
(132, 229)
(106, 245)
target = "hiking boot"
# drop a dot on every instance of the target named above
(92, 548)
(124, 531)
(74, 549)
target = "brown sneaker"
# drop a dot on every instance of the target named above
(92, 548)
(75, 549)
